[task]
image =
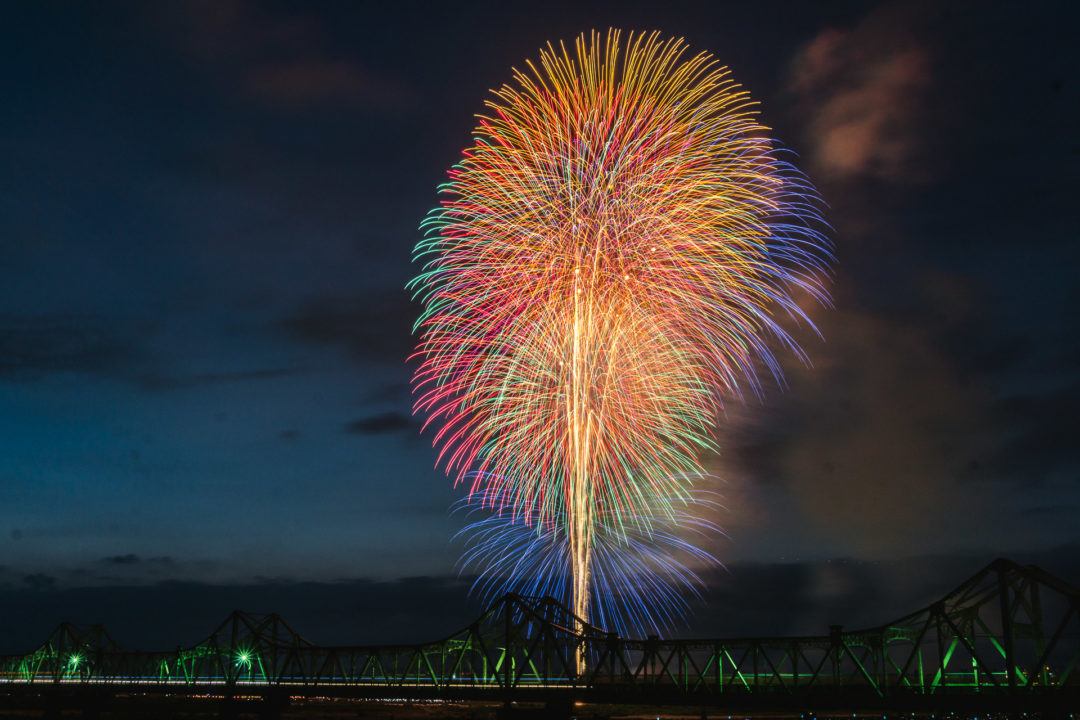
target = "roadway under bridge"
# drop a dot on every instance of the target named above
(1006, 640)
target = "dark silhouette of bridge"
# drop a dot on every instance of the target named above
(1008, 638)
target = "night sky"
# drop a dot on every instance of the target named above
(207, 212)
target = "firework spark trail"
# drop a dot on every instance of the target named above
(642, 583)
(608, 261)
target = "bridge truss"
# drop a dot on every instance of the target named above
(1008, 637)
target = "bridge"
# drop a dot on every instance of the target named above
(1007, 639)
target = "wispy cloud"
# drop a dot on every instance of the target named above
(320, 81)
(373, 326)
(281, 59)
(381, 424)
(801, 597)
(33, 346)
(864, 92)
(131, 559)
(179, 381)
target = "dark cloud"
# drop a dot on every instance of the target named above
(397, 393)
(859, 431)
(183, 382)
(273, 580)
(369, 328)
(34, 346)
(1050, 511)
(988, 354)
(169, 613)
(805, 597)
(314, 81)
(39, 581)
(284, 60)
(746, 599)
(232, 30)
(877, 443)
(131, 559)
(381, 424)
(903, 418)
(128, 569)
(289, 435)
(1036, 443)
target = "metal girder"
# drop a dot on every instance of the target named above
(987, 636)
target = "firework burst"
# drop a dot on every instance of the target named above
(609, 260)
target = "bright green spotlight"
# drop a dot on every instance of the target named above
(243, 657)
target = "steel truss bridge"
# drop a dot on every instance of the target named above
(1006, 639)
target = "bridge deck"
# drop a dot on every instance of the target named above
(1008, 636)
